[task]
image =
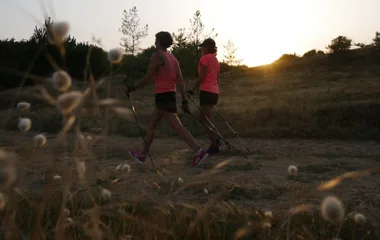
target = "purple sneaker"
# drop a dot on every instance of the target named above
(137, 155)
(213, 150)
(199, 157)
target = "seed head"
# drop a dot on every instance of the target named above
(205, 191)
(58, 32)
(332, 209)
(24, 124)
(180, 180)
(68, 102)
(292, 170)
(359, 218)
(39, 140)
(61, 80)
(81, 169)
(123, 112)
(69, 221)
(106, 194)
(23, 106)
(118, 167)
(56, 177)
(66, 212)
(115, 55)
(268, 214)
(125, 168)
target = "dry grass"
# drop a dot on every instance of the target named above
(227, 197)
(147, 204)
(324, 104)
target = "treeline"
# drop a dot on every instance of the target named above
(38, 57)
(339, 46)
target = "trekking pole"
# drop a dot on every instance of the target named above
(211, 124)
(217, 134)
(233, 131)
(138, 124)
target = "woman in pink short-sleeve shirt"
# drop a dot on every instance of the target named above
(208, 83)
(165, 70)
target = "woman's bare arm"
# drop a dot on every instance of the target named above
(154, 62)
(201, 77)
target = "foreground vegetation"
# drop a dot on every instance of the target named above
(227, 198)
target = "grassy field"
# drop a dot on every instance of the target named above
(324, 122)
(311, 103)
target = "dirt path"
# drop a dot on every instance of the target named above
(261, 180)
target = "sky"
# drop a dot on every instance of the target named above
(262, 30)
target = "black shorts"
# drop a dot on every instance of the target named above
(208, 98)
(166, 101)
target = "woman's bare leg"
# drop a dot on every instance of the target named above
(155, 118)
(176, 124)
(206, 111)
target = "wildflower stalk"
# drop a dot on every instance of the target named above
(106, 128)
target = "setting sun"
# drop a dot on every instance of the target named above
(264, 30)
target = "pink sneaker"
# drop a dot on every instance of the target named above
(199, 157)
(137, 155)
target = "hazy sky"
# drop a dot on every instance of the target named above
(263, 30)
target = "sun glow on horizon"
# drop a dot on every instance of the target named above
(264, 30)
(259, 57)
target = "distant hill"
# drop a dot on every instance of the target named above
(362, 59)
